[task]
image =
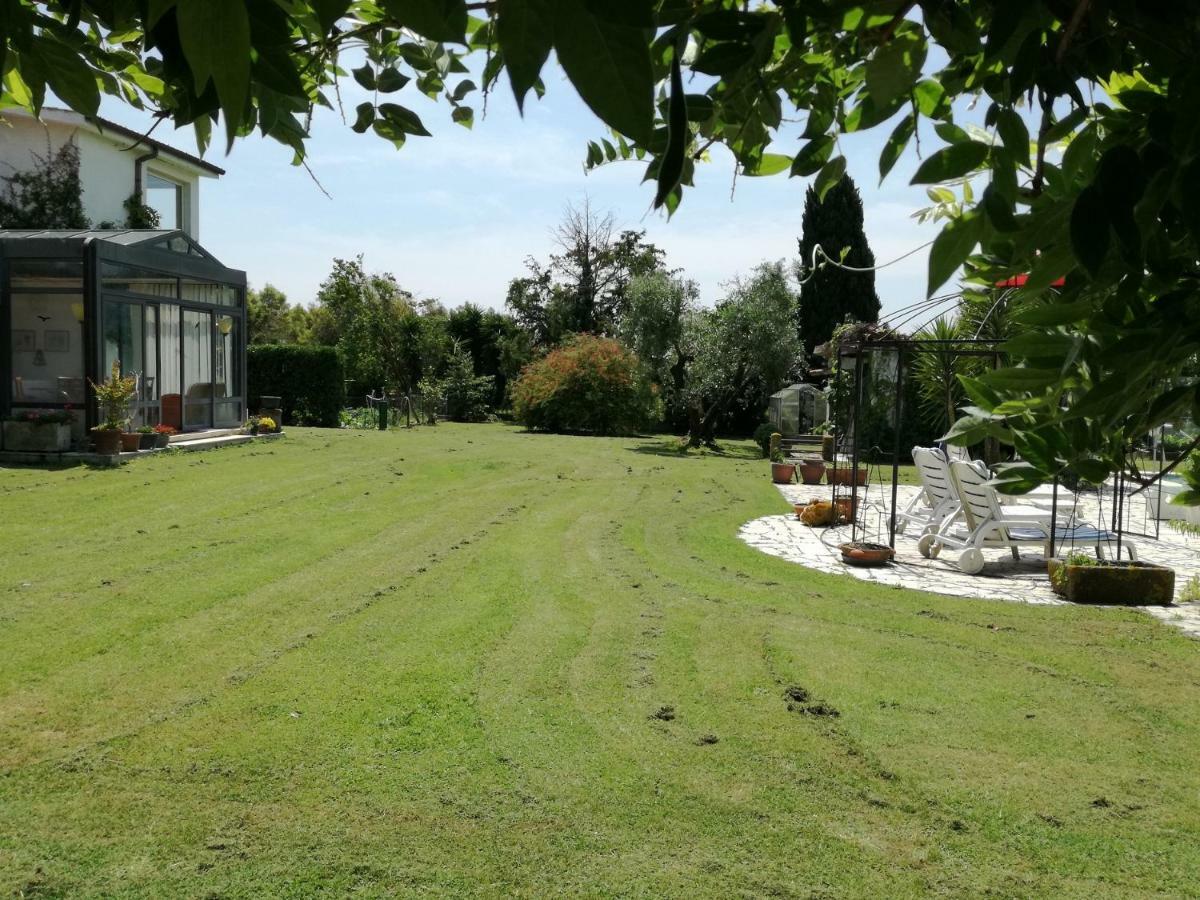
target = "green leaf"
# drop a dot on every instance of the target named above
(215, 35)
(1020, 378)
(770, 164)
(438, 20)
(895, 66)
(634, 13)
(464, 116)
(403, 118)
(1035, 344)
(1055, 313)
(68, 75)
(931, 99)
(609, 66)
(951, 247)
(895, 145)
(968, 430)
(1090, 229)
(329, 11)
(365, 76)
(365, 115)
(723, 59)
(831, 173)
(525, 30)
(462, 89)
(1015, 135)
(812, 155)
(950, 162)
(670, 168)
(391, 79)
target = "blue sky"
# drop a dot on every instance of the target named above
(454, 216)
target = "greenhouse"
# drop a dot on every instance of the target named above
(74, 302)
(798, 409)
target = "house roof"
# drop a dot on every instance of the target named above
(107, 127)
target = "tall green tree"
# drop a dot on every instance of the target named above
(270, 318)
(830, 295)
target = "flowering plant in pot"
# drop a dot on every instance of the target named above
(146, 437)
(113, 396)
(162, 435)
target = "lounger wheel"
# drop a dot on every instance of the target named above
(928, 546)
(971, 561)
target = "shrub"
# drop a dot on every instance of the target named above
(762, 437)
(588, 384)
(307, 378)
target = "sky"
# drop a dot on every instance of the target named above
(454, 216)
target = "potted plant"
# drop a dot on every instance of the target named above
(811, 469)
(162, 436)
(842, 474)
(39, 431)
(781, 472)
(146, 437)
(113, 396)
(1084, 579)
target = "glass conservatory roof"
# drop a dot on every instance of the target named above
(168, 239)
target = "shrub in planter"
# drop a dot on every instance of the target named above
(113, 396)
(588, 384)
(1083, 579)
(146, 437)
(162, 435)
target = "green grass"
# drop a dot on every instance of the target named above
(428, 663)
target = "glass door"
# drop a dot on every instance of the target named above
(197, 352)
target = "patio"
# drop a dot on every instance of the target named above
(1003, 578)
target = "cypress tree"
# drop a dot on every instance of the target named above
(832, 295)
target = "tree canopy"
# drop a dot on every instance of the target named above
(1112, 84)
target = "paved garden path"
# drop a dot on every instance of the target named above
(1003, 578)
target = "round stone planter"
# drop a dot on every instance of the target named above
(32, 438)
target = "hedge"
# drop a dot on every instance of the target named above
(308, 378)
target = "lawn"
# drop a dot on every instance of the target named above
(473, 661)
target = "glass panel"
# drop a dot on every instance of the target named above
(122, 331)
(165, 198)
(170, 389)
(208, 292)
(151, 382)
(119, 277)
(197, 369)
(227, 384)
(47, 349)
(64, 274)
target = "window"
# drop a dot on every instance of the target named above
(47, 348)
(165, 197)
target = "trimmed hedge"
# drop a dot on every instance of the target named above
(308, 378)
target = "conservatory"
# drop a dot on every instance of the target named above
(74, 302)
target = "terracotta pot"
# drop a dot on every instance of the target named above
(783, 473)
(106, 442)
(845, 508)
(860, 553)
(842, 475)
(130, 441)
(811, 471)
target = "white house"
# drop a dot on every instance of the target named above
(115, 162)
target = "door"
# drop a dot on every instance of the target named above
(197, 351)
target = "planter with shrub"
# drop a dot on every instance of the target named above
(162, 436)
(39, 432)
(113, 396)
(1084, 579)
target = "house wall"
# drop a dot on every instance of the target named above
(106, 169)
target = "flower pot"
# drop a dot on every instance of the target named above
(783, 473)
(1109, 581)
(130, 441)
(162, 441)
(843, 475)
(49, 437)
(845, 509)
(106, 441)
(861, 553)
(811, 470)
(147, 440)
(827, 447)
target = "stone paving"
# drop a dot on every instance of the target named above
(1003, 578)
